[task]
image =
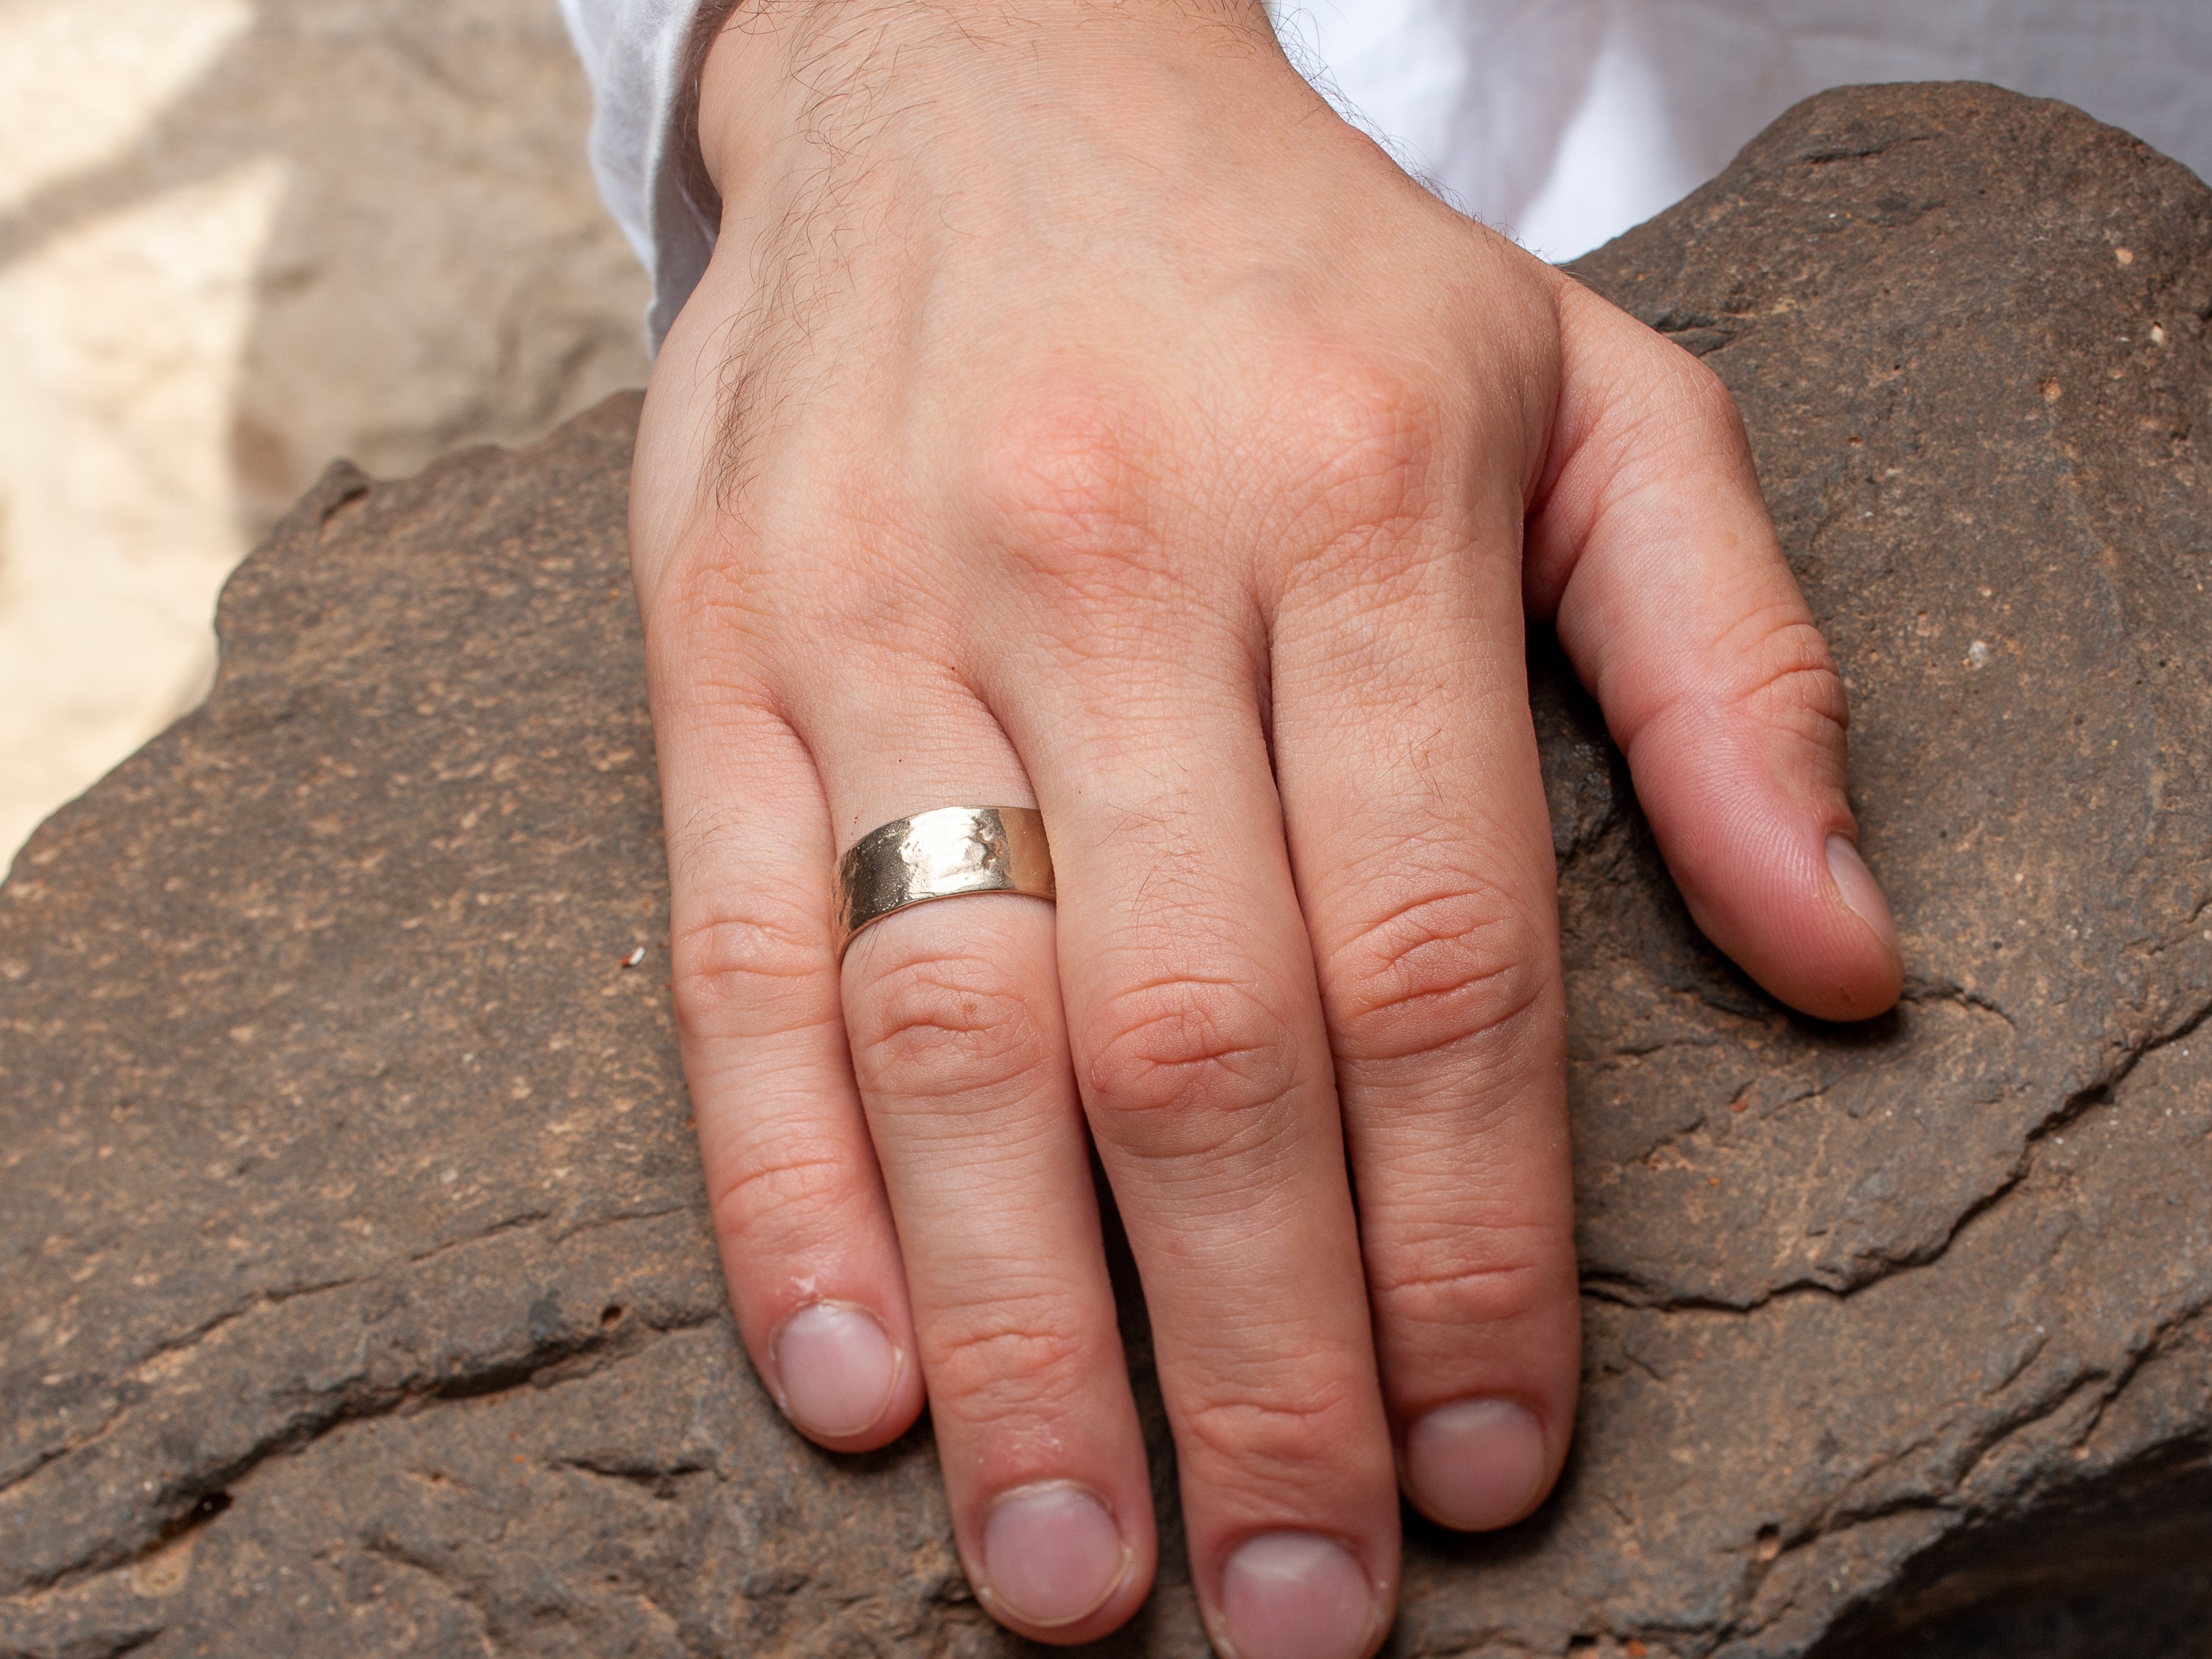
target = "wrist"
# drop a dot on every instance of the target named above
(789, 85)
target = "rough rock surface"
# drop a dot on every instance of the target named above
(354, 1292)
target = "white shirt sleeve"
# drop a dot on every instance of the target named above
(633, 52)
(1564, 122)
(1561, 122)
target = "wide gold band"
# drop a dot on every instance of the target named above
(940, 855)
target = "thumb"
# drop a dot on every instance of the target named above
(1651, 548)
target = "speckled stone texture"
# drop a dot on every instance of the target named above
(355, 1295)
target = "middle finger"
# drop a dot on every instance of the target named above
(1196, 1028)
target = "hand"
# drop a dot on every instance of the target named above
(1076, 413)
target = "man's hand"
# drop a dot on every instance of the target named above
(1077, 413)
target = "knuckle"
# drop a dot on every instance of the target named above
(1679, 400)
(1791, 682)
(1013, 1361)
(943, 1022)
(1290, 1429)
(756, 970)
(1448, 969)
(1365, 443)
(1063, 474)
(1374, 470)
(1186, 1046)
(1696, 396)
(798, 1192)
(1460, 1278)
(714, 591)
(1701, 391)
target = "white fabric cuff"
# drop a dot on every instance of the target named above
(634, 52)
(1562, 124)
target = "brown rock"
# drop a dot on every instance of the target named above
(354, 1292)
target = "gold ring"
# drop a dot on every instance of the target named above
(940, 855)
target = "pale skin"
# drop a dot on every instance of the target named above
(1076, 414)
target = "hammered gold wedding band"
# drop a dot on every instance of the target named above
(940, 855)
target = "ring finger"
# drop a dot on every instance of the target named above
(959, 1048)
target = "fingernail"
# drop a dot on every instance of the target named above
(836, 1368)
(1052, 1554)
(1475, 1464)
(1860, 890)
(1296, 1596)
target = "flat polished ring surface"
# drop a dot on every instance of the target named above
(940, 855)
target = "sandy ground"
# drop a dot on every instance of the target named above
(237, 239)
